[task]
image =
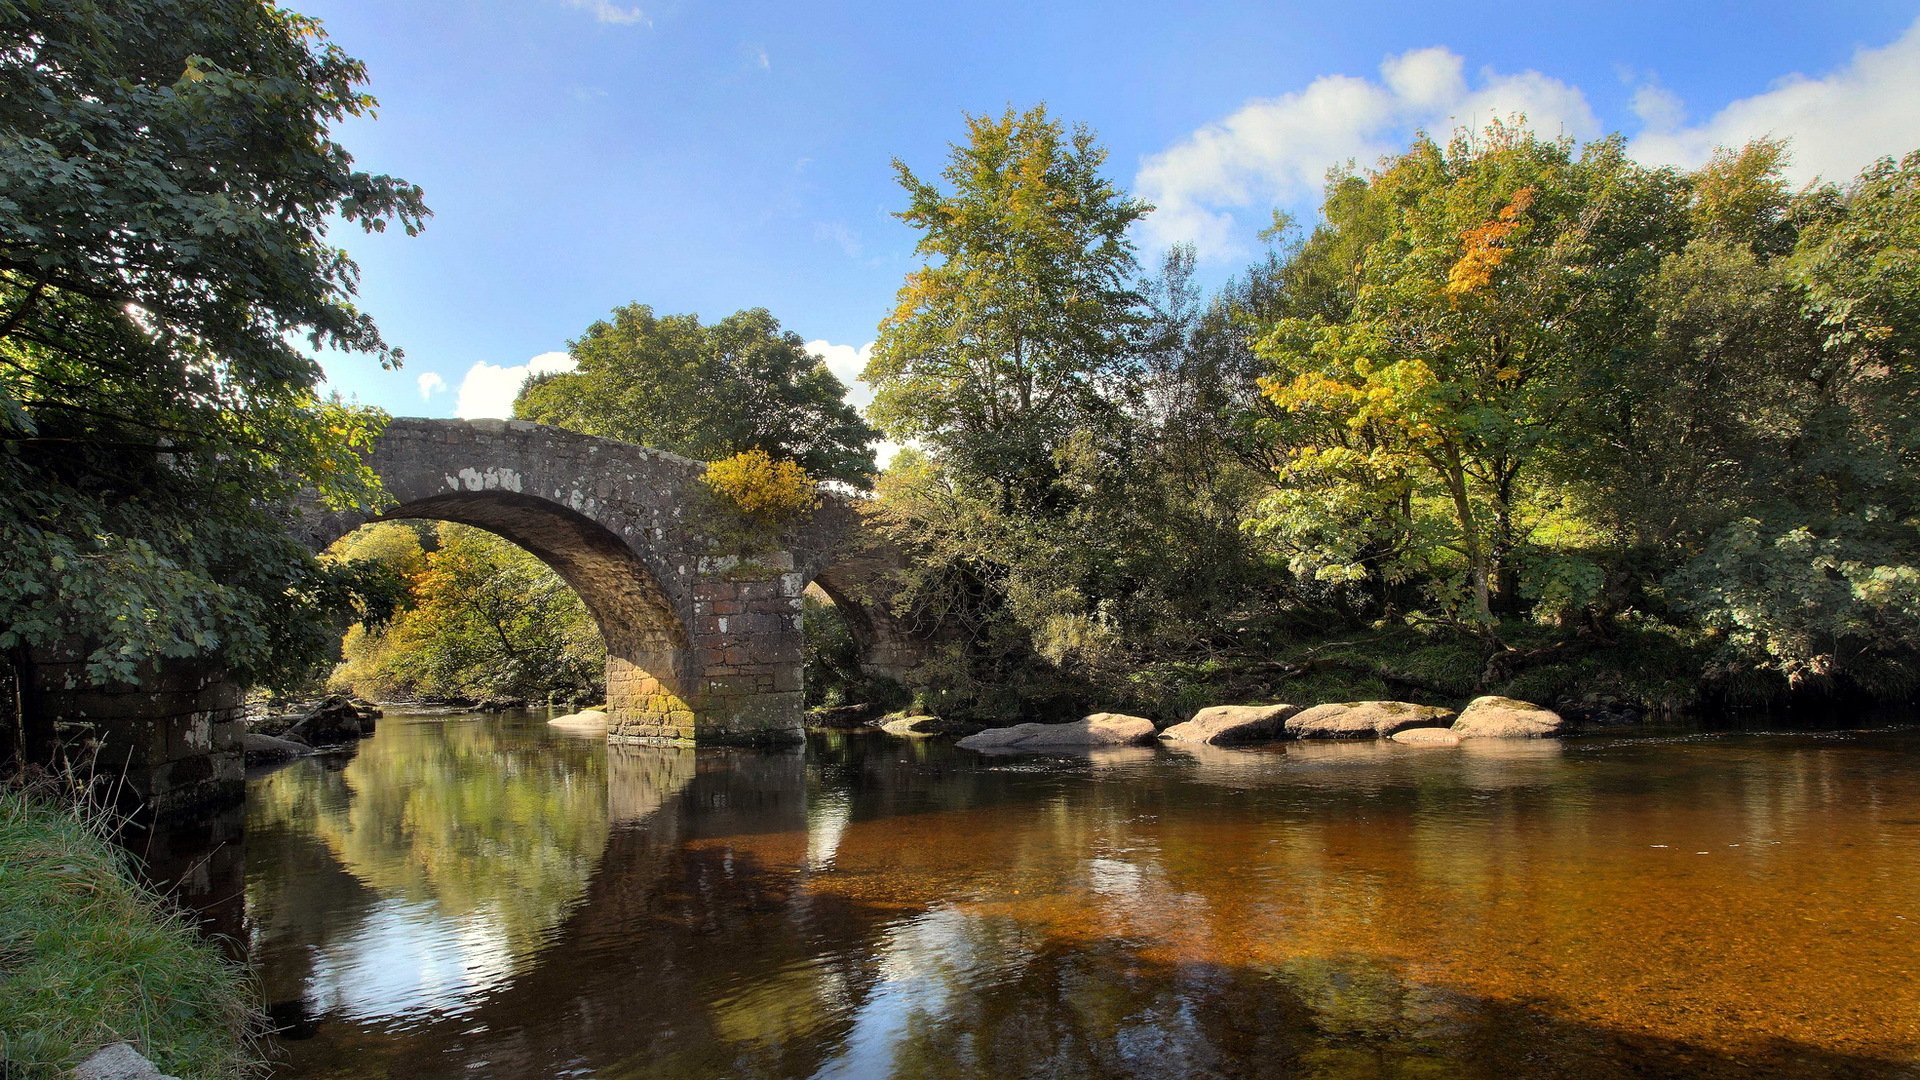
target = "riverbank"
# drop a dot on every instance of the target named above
(1641, 671)
(90, 956)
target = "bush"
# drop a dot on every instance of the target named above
(771, 492)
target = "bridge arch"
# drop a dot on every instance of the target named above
(648, 645)
(703, 645)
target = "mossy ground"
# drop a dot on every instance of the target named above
(89, 956)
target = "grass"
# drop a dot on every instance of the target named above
(90, 956)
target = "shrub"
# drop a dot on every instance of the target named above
(769, 491)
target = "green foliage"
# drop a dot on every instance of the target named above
(1076, 510)
(830, 661)
(1018, 325)
(1523, 380)
(93, 957)
(1494, 276)
(484, 619)
(166, 176)
(707, 392)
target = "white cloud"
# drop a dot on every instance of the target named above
(847, 362)
(1659, 108)
(841, 236)
(487, 391)
(760, 57)
(608, 12)
(1839, 123)
(430, 384)
(1278, 150)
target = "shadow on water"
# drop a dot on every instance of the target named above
(486, 900)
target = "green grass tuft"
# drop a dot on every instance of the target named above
(89, 956)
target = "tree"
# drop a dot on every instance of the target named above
(1814, 573)
(1021, 322)
(166, 180)
(707, 392)
(1505, 271)
(484, 619)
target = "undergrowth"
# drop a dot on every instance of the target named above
(89, 956)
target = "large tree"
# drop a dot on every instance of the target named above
(1023, 318)
(1495, 275)
(167, 178)
(706, 391)
(1812, 308)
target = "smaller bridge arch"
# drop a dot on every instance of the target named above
(703, 644)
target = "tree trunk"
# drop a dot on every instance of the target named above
(1506, 576)
(1469, 533)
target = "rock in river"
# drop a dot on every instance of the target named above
(584, 720)
(1226, 725)
(1100, 729)
(1426, 736)
(261, 749)
(1507, 718)
(332, 721)
(919, 726)
(1363, 719)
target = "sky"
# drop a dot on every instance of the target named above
(579, 155)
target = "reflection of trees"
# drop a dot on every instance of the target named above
(469, 819)
(883, 908)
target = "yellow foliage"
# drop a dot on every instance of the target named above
(772, 491)
(1484, 247)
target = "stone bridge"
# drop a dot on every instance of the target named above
(703, 638)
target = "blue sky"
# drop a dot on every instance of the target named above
(582, 154)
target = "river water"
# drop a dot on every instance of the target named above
(487, 896)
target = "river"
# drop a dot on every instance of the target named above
(487, 896)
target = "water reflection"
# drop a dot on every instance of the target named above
(438, 860)
(488, 898)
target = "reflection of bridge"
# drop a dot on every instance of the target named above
(702, 628)
(703, 640)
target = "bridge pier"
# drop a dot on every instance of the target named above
(738, 681)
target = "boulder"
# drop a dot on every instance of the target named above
(1363, 719)
(1601, 711)
(261, 749)
(1426, 736)
(584, 720)
(1507, 718)
(1226, 725)
(118, 1061)
(922, 726)
(1100, 729)
(334, 720)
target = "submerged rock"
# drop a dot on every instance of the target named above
(1426, 736)
(1507, 718)
(1226, 725)
(1364, 719)
(1100, 729)
(259, 749)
